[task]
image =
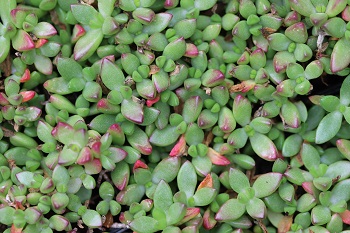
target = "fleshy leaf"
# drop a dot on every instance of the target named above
(87, 44)
(340, 192)
(132, 111)
(163, 197)
(266, 184)
(328, 127)
(320, 215)
(339, 170)
(187, 179)
(85, 14)
(22, 41)
(92, 219)
(175, 213)
(164, 137)
(334, 7)
(330, 103)
(139, 141)
(256, 208)
(159, 23)
(264, 147)
(238, 180)
(144, 224)
(166, 170)
(339, 58)
(303, 7)
(5, 48)
(290, 115)
(111, 75)
(230, 211)
(310, 156)
(6, 215)
(204, 5)
(120, 175)
(102, 122)
(204, 196)
(69, 68)
(345, 91)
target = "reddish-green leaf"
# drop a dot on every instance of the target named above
(264, 147)
(339, 58)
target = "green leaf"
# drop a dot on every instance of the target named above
(202, 164)
(263, 146)
(187, 179)
(57, 86)
(6, 215)
(139, 141)
(106, 7)
(5, 48)
(132, 111)
(320, 215)
(69, 68)
(26, 178)
(341, 192)
(330, 103)
(334, 7)
(204, 5)
(261, 124)
(303, 7)
(266, 184)
(290, 115)
(166, 170)
(291, 145)
(150, 115)
(306, 202)
(346, 114)
(92, 219)
(310, 156)
(163, 197)
(175, 213)
(339, 58)
(102, 122)
(112, 76)
(238, 180)
(120, 175)
(164, 137)
(85, 13)
(328, 127)
(204, 196)
(6, 7)
(44, 132)
(158, 24)
(339, 169)
(144, 224)
(132, 193)
(87, 44)
(345, 91)
(256, 208)
(230, 211)
(192, 108)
